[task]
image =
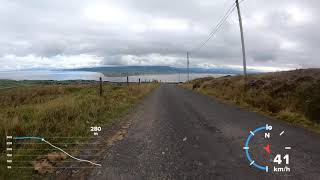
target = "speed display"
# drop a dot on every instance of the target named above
(276, 162)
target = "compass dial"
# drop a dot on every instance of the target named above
(272, 161)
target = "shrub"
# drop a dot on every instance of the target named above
(312, 107)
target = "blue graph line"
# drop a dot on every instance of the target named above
(28, 137)
(43, 140)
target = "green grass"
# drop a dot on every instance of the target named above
(293, 96)
(10, 83)
(7, 84)
(60, 111)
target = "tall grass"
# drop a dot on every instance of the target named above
(293, 96)
(63, 110)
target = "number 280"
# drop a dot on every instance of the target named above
(95, 128)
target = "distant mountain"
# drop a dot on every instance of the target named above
(130, 69)
(156, 70)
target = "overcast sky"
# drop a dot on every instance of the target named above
(279, 34)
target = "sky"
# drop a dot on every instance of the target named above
(58, 34)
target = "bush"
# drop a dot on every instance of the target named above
(312, 107)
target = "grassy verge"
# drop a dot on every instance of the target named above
(7, 84)
(59, 111)
(293, 96)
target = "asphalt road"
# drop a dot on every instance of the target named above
(179, 134)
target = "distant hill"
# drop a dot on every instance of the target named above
(109, 70)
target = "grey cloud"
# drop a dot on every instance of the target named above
(51, 28)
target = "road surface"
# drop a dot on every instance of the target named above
(180, 134)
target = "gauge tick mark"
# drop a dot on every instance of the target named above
(281, 133)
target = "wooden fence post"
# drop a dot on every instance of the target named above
(100, 89)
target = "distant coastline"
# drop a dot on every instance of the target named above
(122, 71)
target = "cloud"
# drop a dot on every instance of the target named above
(56, 34)
(12, 62)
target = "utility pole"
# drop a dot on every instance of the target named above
(242, 43)
(188, 64)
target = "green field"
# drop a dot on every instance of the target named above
(63, 110)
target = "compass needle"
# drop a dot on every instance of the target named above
(276, 159)
(267, 148)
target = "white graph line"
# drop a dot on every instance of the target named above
(82, 160)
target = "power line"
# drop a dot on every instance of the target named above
(217, 27)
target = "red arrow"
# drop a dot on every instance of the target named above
(267, 148)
